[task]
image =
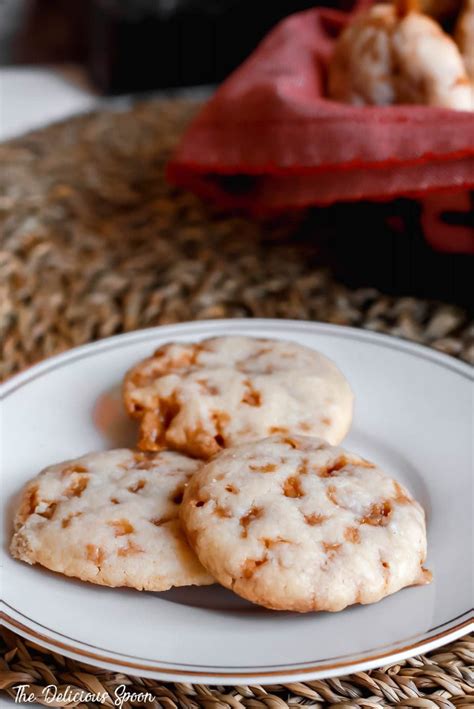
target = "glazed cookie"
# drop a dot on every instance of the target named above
(110, 518)
(200, 398)
(292, 523)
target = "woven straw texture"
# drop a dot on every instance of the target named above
(94, 243)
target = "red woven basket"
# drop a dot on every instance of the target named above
(269, 139)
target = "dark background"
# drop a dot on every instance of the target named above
(140, 45)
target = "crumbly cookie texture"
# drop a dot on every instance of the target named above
(292, 523)
(110, 518)
(201, 397)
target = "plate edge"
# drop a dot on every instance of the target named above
(260, 677)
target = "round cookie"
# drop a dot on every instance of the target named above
(201, 397)
(292, 523)
(110, 518)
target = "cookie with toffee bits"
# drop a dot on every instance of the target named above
(292, 523)
(110, 518)
(201, 397)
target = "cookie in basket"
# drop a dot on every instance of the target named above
(464, 35)
(201, 397)
(392, 54)
(110, 518)
(292, 523)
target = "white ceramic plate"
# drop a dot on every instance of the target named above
(413, 416)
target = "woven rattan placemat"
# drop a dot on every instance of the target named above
(94, 242)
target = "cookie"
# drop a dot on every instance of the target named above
(464, 36)
(391, 55)
(200, 398)
(110, 518)
(292, 523)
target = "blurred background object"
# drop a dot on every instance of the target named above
(33, 96)
(12, 14)
(63, 57)
(139, 45)
(58, 57)
(42, 31)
